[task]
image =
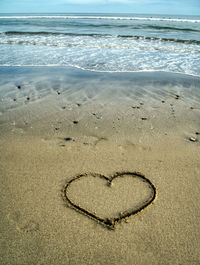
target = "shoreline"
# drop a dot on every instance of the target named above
(99, 71)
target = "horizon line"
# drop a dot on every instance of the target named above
(138, 13)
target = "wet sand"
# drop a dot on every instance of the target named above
(62, 122)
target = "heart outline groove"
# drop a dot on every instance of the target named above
(109, 222)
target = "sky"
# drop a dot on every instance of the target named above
(179, 7)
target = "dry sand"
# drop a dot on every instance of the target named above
(122, 126)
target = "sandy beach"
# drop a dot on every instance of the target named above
(57, 123)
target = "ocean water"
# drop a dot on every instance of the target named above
(102, 42)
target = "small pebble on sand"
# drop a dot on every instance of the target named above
(192, 139)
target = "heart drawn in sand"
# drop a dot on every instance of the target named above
(131, 184)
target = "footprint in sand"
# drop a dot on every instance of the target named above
(15, 218)
(30, 226)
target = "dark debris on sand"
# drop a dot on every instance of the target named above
(68, 139)
(135, 107)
